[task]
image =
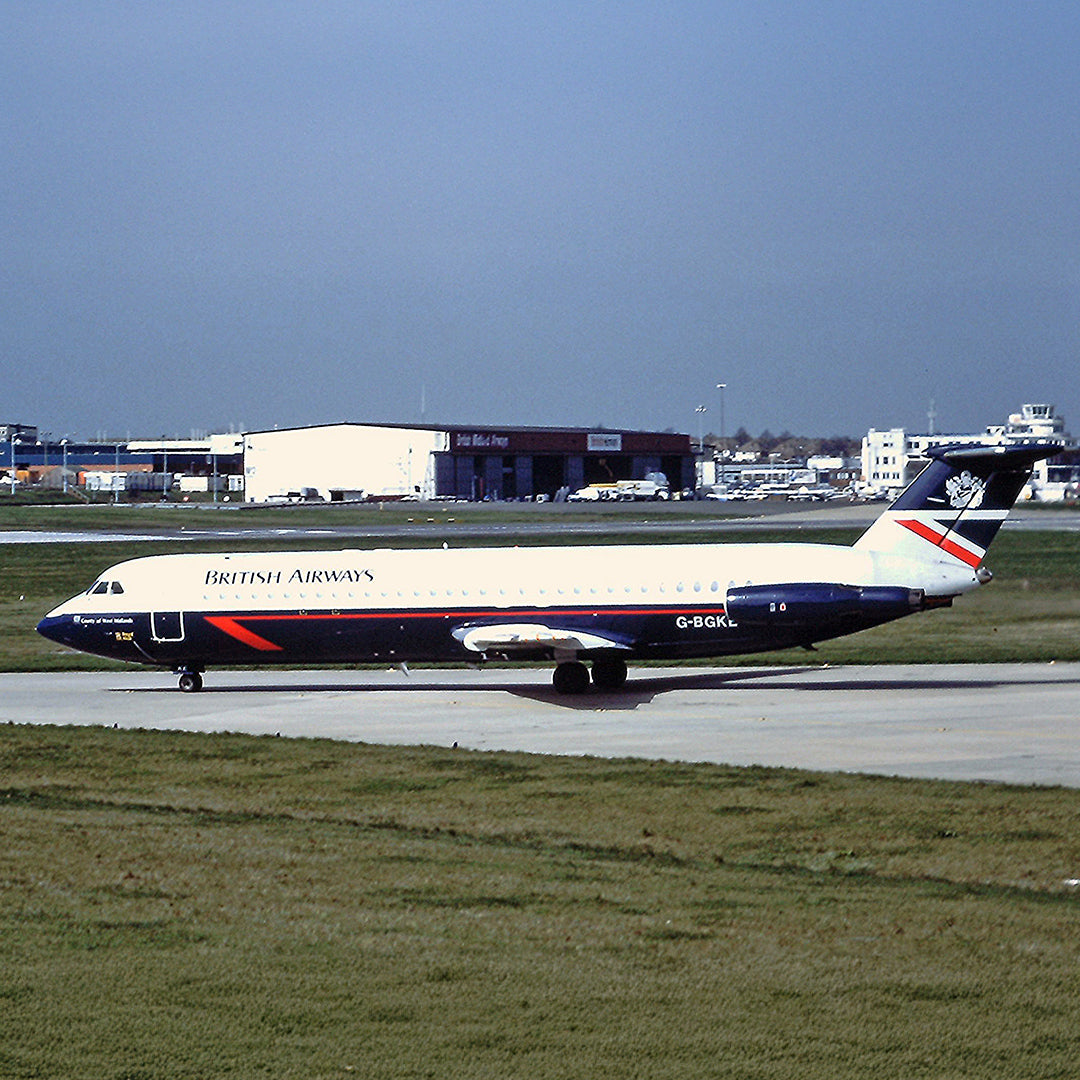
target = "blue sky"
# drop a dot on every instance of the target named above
(247, 214)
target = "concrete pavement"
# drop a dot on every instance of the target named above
(1018, 723)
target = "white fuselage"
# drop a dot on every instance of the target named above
(536, 577)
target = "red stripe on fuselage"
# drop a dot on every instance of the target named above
(941, 540)
(231, 627)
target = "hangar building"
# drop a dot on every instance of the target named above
(349, 461)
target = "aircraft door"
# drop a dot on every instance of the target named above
(167, 625)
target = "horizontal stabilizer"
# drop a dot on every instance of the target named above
(528, 637)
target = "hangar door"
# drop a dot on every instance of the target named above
(608, 468)
(549, 474)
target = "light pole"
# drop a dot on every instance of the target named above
(722, 386)
(699, 461)
(63, 475)
(12, 462)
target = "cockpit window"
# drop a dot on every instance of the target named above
(100, 588)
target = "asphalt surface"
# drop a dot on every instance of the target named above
(1016, 723)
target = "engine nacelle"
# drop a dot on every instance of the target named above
(815, 604)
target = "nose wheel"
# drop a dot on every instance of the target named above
(190, 681)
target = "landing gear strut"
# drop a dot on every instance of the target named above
(190, 681)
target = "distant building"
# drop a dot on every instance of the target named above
(18, 433)
(839, 472)
(885, 459)
(891, 459)
(198, 461)
(146, 464)
(394, 461)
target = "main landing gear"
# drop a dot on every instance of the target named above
(190, 680)
(572, 676)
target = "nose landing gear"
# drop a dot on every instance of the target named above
(190, 680)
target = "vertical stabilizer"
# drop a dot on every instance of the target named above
(953, 509)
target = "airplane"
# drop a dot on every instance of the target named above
(601, 604)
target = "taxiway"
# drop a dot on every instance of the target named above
(1016, 723)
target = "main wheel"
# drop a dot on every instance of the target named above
(571, 678)
(190, 682)
(609, 673)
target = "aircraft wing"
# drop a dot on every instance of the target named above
(528, 637)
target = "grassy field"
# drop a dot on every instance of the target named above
(1031, 612)
(153, 517)
(190, 906)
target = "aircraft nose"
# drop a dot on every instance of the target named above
(58, 628)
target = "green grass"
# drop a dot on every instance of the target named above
(180, 905)
(1031, 612)
(151, 516)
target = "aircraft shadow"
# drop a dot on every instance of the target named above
(636, 691)
(642, 691)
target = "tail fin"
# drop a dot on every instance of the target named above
(957, 503)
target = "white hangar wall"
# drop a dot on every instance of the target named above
(341, 461)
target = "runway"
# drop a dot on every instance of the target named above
(1016, 723)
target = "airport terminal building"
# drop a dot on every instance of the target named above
(891, 459)
(340, 462)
